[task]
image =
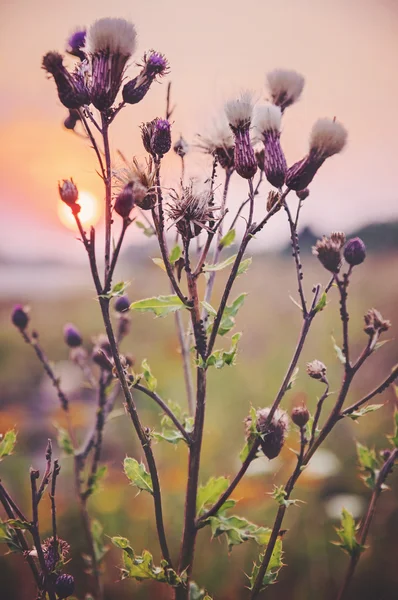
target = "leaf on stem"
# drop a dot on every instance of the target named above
(118, 290)
(274, 566)
(238, 530)
(137, 474)
(394, 438)
(369, 465)
(252, 435)
(159, 262)
(220, 266)
(8, 536)
(175, 254)
(169, 432)
(321, 303)
(244, 266)
(7, 443)
(347, 535)
(209, 493)
(364, 410)
(279, 494)
(151, 381)
(160, 305)
(339, 352)
(228, 238)
(208, 307)
(63, 440)
(148, 231)
(100, 549)
(293, 379)
(97, 478)
(220, 358)
(141, 567)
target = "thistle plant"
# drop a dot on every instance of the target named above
(201, 229)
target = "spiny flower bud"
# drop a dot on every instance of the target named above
(328, 137)
(72, 336)
(181, 147)
(72, 91)
(156, 137)
(20, 317)
(154, 65)
(53, 553)
(338, 238)
(124, 202)
(191, 211)
(300, 415)
(328, 253)
(272, 435)
(303, 194)
(267, 122)
(122, 304)
(239, 115)
(68, 192)
(273, 199)
(110, 43)
(64, 586)
(355, 252)
(374, 323)
(316, 369)
(285, 87)
(76, 42)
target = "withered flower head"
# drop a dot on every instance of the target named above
(273, 199)
(191, 211)
(267, 123)
(273, 434)
(239, 113)
(285, 87)
(316, 369)
(71, 87)
(54, 553)
(156, 137)
(219, 142)
(374, 323)
(144, 180)
(328, 253)
(110, 43)
(338, 238)
(153, 65)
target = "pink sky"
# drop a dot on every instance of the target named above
(346, 49)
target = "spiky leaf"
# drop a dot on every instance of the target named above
(138, 475)
(160, 305)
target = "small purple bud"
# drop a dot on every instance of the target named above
(303, 194)
(75, 44)
(156, 64)
(300, 415)
(68, 192)
(124, 202)
(64, 586)
(136, 89)
(72, 90)
(355, 251)
(72, 336)
(161, 138)
(20, 317)
(122, 304)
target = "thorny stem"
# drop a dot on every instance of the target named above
(296, 255)
(55, 474)
(378, 390)
(166, 409)
(115, 255)
(242, 206)
(365, 525)
(108, 194)
(318, 411)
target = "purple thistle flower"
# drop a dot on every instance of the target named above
(239, 115)
(153, 65)
(76, 42)
(20, 317)
(122, 304)
(161, 137)
(355, 251)
(72, 91)
(156, 64)
(267, 122)
(72, 336)
(64, 586)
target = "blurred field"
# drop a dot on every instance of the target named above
(270, 324)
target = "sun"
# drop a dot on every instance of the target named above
(89, 214)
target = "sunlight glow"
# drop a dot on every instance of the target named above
(89, 214)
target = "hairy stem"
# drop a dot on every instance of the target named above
(108, 194)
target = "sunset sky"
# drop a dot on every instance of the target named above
(346, 49)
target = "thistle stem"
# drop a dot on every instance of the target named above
(108, 194)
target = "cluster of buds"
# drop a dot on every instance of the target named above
(156, 137)
(328, 137)
(272, 434)
(267, 122)
(20, 317)
(317, 370)
(239, 114)
(300, 415)
(328, 251)
(219, 142)
(72, 89)
(154, 65)
(374, 323)
(191, 211)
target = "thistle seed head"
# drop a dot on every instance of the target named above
(54, 553)
(111, 36)
(239, 111)
(338, 238)
(72, 337)
(191, 211)
(374, 323)
(328, 253)
(317, 370)
(355, 251)
(273, 434)
(285, 87)
(327, 137)
(267, 117)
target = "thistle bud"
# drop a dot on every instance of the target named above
(64, 586)
(355, 252)
(385, 454)
(303, 194)
(124, 202)
(100, 358)
(75, 43)
(267, 122)
(273, 199)
(154, 65)
(72, 336)
(72, 91)
(328, 253)
(181, 147)
(20, 317)
(156, 137)
(300, 415)
(316, 369)
(239, 115)
(374, 323)
(272, 435)
(338, 238)
(122, 304)
(68, 192)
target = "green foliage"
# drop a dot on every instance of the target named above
(7, 443)
(175, 254)
(148, 231)
(209, 493)
(229, 314)
(321, 303)
(369, 465)
(237, 529)
(160, 263)
(279, 494)
(364, 410)
(220, 358)
(347, 535)
(274, 566)
(141, 567)
(151, 381)
(252, 435)
(169, 432)
(9, 537)
(64, 441)
(338, 350)
(244, 266)
(228, 238)
(221, 265)
(160, 305)
(97, 477)
(195, 593)
(118, 290)
(100, 549)
(394, 438)
(137, 474)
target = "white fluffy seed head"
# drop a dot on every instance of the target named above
(266, 117)
(285, 87)
(327, 137)
(116, 36)
(239, 112)
(217, 136)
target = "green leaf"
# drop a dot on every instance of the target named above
(120, 542)
(238, 530)
(252, 434)
(148, 231)
(18, 524)
(228, 238)
(138, 475)
(369, 465)
(321, 303)
(117, 290)
(97, 477)
(175, 254)
(279, 494)
(293, 379)
(7, 443)
(244, 266)
(142, 568)
(208, 307)
(160, 305)
(159, 263)
(220, 358)
(394, 438)
(97, 532)
(209, 493)
(8, 536)
(64, 441)
(195, 593)
(220, 266)
(339, 352)
(364, 410)
(169, 431)
(347, 535)
(151, 381)
(274, 566)
(228, 318)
